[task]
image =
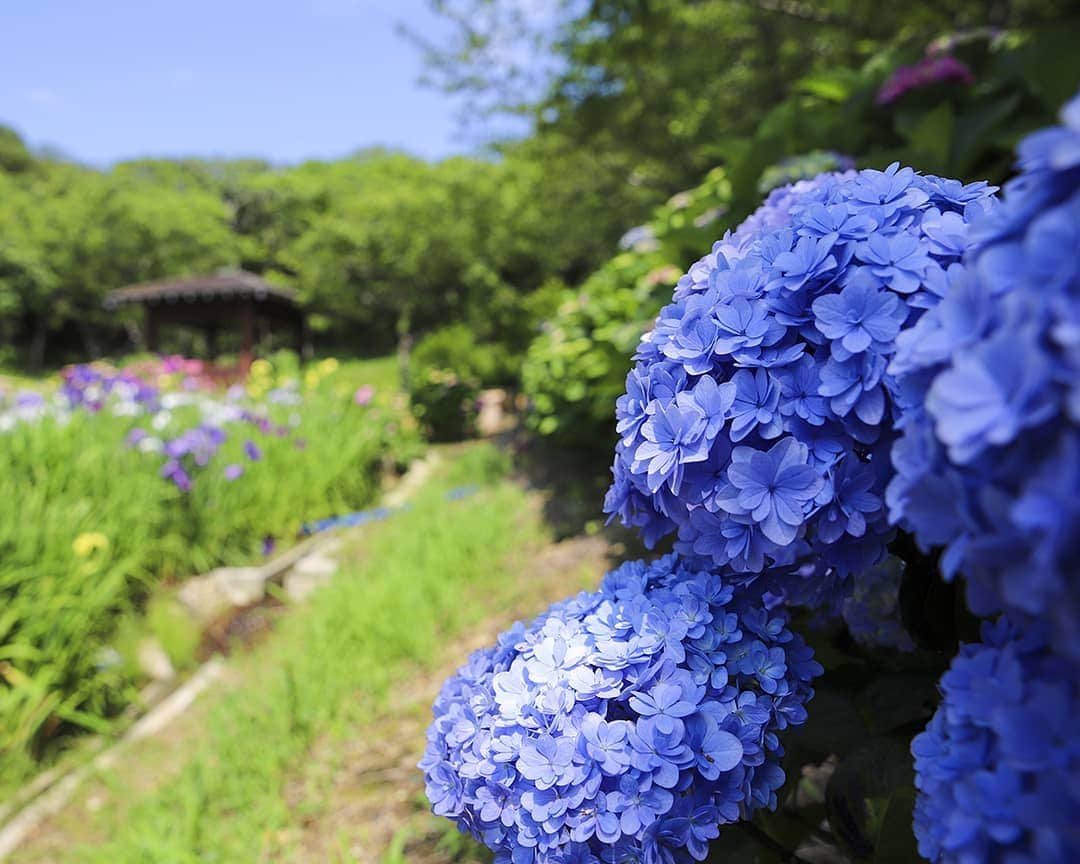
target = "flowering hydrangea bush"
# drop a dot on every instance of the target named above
(758, 419)
(626, 724)
(870, 352)
(996, 768)
(989, 463)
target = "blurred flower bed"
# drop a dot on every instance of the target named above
(119, 479)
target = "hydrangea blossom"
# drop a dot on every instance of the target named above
(989, 463)
(996, 768)
(626, 724)
(758, 420)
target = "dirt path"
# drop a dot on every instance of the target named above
(362, 790)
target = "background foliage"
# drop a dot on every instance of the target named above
(628, 102)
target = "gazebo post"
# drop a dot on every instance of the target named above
(303, 349)
(247, 337)
(212, 342)
(151, 328)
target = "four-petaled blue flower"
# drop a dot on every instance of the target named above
(859, 317)
(674, 435)
(757, 398)
(775, 487)
(545, 760)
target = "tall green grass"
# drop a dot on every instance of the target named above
(60, 604)
(423, 577)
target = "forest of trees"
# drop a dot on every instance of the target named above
(629, 101)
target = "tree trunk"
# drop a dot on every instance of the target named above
(90, 343)
(404, 346)
(38, 341)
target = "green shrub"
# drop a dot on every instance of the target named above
(574, 370)
(444, 403)
(455, 348)
(576, 367)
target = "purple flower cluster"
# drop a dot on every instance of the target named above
(988, 466)
(190, 450)
(997, 767)
(22, 406)
(758, 420)
(194, 448)
(626, 724)
(932, 69)
(264, 424)
(89, 387)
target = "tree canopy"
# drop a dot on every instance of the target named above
(624, 103)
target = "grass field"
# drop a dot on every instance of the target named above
(260, 761)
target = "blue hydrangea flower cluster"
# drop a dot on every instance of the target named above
(626, 724)
(988, 466)
(758, 419)
(997, 768)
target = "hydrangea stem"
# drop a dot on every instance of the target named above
(760, 837)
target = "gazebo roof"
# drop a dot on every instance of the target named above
(229, 285)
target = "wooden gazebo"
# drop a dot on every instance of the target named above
(229, 299)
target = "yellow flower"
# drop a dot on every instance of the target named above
(260, 368)
(311, 378)
(325, 367)
(87, 543)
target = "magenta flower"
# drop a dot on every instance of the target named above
(930, 70)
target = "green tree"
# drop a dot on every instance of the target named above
(666, 83)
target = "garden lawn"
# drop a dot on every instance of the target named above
(232, 786)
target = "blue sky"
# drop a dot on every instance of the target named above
(104, 80)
